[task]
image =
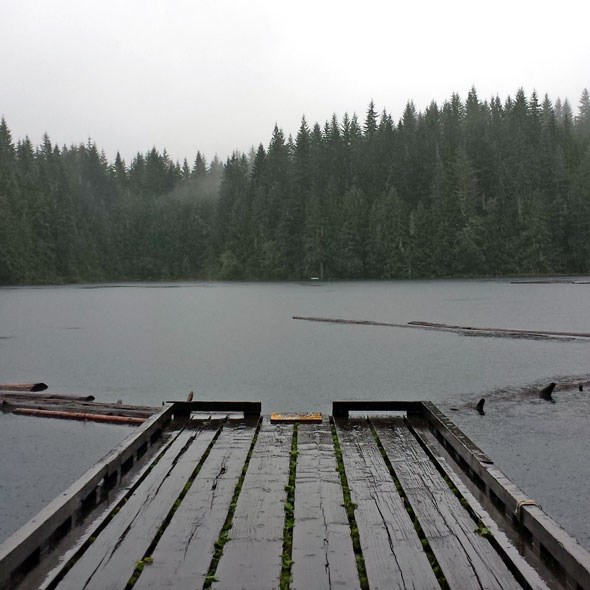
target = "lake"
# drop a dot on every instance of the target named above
(148, 343)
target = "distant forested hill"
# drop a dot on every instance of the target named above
(467, 188)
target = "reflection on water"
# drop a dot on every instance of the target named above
(539, 445)
(40, 458)
(149, 343)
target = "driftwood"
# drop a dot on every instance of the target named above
(500, 331)
(86, 416)
(479, 406)
(551, 282)
(11, 404)
(463, 330)
(41, 396)
(23, 387)
(546, 392)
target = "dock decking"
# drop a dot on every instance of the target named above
(350, 503)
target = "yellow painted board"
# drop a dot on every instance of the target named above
(311, 417)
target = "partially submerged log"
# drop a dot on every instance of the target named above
(463, 330)
(86, 416)
(9, 405)
(42, 396)
(546, 392)
(515, 333)
(23, 387)
(479, 406)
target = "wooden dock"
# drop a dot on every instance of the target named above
(400, 500)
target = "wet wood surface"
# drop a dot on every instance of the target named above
(401, 503)
(393, 553)
(23, 387)
(323, 556)
(111, 559)
(251, 558)
(183, 555)
(467, 558)
(510, 551)
(65, 403)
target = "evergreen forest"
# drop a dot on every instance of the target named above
(467, 188)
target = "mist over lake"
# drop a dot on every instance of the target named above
(148, 343)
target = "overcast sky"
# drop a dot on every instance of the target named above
(216, 76)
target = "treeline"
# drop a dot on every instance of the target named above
(467, 188)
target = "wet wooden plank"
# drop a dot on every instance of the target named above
(251, 559)
(467, 559)
(110, 561)
(341, 409)
(183, 555)
(185, 407)
(527, 573)
(393, 553)
(322, 546)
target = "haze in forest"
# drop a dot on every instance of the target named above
(216, 76)
(470, 187)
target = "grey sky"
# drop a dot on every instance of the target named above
(215, 76)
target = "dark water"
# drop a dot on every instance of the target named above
(149, 343)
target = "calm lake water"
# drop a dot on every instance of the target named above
(147, 343)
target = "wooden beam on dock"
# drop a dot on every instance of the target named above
(342, 409)
(351, 503)
(22, 551)
(184, 408)
(296, 418)
(112, 558)
(466, 557)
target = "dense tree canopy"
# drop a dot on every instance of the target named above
(466, 188)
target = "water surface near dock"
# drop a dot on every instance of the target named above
(148, 343)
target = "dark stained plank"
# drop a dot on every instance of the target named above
(467, 559)
(393, 553)
(322, 546)
(251, 559)
(183, 554)
(110, 561)
(526, 571)
(185, 407)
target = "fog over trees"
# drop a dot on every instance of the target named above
(468, 188)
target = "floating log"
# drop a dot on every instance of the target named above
(86, 416)
(464, 330)
(550, 282)
(83, 407)
(344, 321)
(42, 396)
(23, 387)
(499, 331)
